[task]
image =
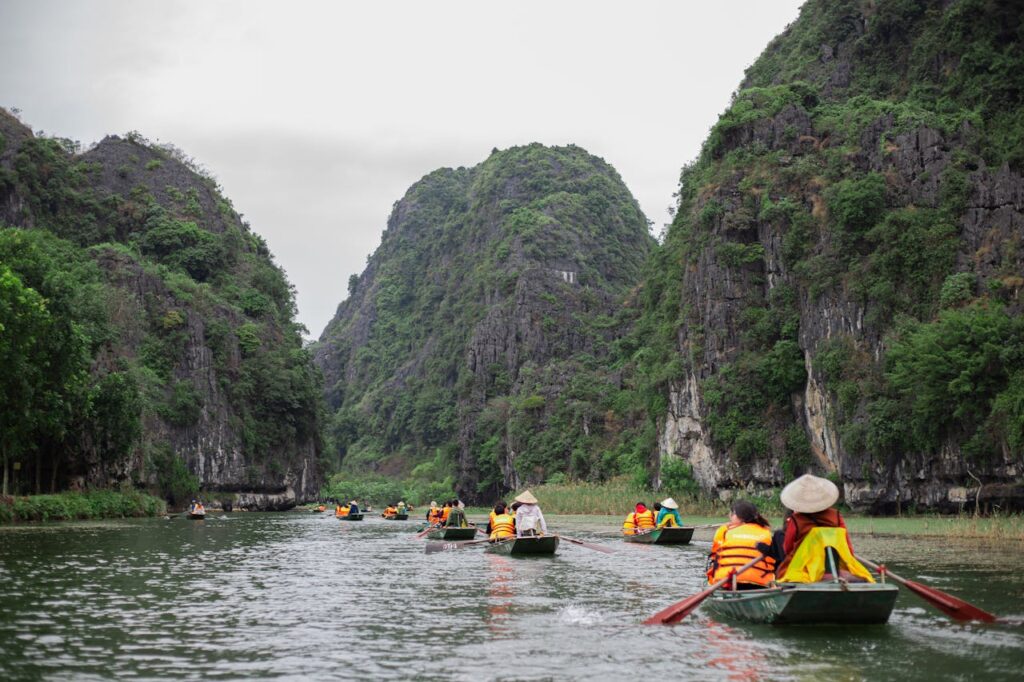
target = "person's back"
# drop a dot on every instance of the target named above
(529, 517)
(502, 525)
(400, 509)
(668, 515)
(456, 519)
(747, 537)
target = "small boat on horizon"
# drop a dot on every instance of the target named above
(663, 536)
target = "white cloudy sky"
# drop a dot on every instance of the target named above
(317, 116)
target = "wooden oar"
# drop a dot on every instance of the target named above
(681, 609)
(433, 547)
(588, 545)
(956, 609)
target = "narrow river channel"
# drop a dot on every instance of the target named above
(305, 596)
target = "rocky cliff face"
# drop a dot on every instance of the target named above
(201, 320)
(492, 287)
(839, 214)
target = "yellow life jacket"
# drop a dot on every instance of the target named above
(733, 547)
(629, 525)
(669, 521)
(342, 511)
(809, 563)
(644, 519)
(503, 526)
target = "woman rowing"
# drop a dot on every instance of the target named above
(815, 539)
(747, 536)
(529, 517)
(668, 515)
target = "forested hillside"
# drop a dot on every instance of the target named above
(148, 338)
(841, 287)
(474, 350)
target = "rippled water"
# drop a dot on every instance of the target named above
(304, 596)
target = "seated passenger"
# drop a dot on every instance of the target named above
(747, 536)
(529, 517)
(502, 525)
(640, 521)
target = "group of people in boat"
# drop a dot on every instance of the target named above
(523, 518)
(394, 510)
(812, 544)
(450, 514)
(664, 514)
(350, 509)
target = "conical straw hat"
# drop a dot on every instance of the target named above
(669, 503)
(809, 494)
(527, 498)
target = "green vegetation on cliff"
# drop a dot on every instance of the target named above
(474, 348)
(853, 175)
(151, 324)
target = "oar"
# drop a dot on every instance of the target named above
(956, 609)
(440, 546)
(681, 609)
(425, 531)
(588, 545)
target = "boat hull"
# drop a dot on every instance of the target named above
(452, 534)
(351, 517)
(396, 517)
(810, 604)
(662, 536)
(197, 517)
(546, 544)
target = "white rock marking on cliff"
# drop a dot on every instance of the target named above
(816, 409)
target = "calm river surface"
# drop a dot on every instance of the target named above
(304, 596)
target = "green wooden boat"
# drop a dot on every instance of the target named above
(454, 533)
(545, 544)
(808, 603)
(662, 536)
(352, 517)
(396, 517)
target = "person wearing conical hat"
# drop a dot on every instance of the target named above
(668, 515)
(529, 517)
(433, 514)
(811, 499)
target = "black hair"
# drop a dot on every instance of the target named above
(657, 506)
(747, 513)
(499, 508)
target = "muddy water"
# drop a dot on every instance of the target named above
(304, 596)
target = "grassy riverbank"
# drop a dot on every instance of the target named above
(617, 498)
(93, 504)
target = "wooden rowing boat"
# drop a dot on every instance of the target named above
(662, 536)
(351, 517)
(396, 517)
(808, 603)
(197, 515)
(453, 533)
(544, 544)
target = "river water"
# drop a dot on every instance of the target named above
(305, 596)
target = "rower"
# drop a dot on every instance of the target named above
(668, 515)
(433, 514)
(815, 541)
(529, 517)
(390, 511)
(456, 517)
(353, 508)
(401, 508)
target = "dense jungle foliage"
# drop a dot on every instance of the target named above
(856, 221)
(113, 287)
(466, 335)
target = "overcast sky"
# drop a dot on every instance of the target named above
(317, 116)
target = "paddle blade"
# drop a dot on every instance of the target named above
(589, 545)
(957, 609)
(681, 609)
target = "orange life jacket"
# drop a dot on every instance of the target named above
(502, 526)
(434, 516)
(735, 546)
(342, 511)
(390, 511)
(444, 514)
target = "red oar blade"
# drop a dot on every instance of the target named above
(681, 609)
(956, 609)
